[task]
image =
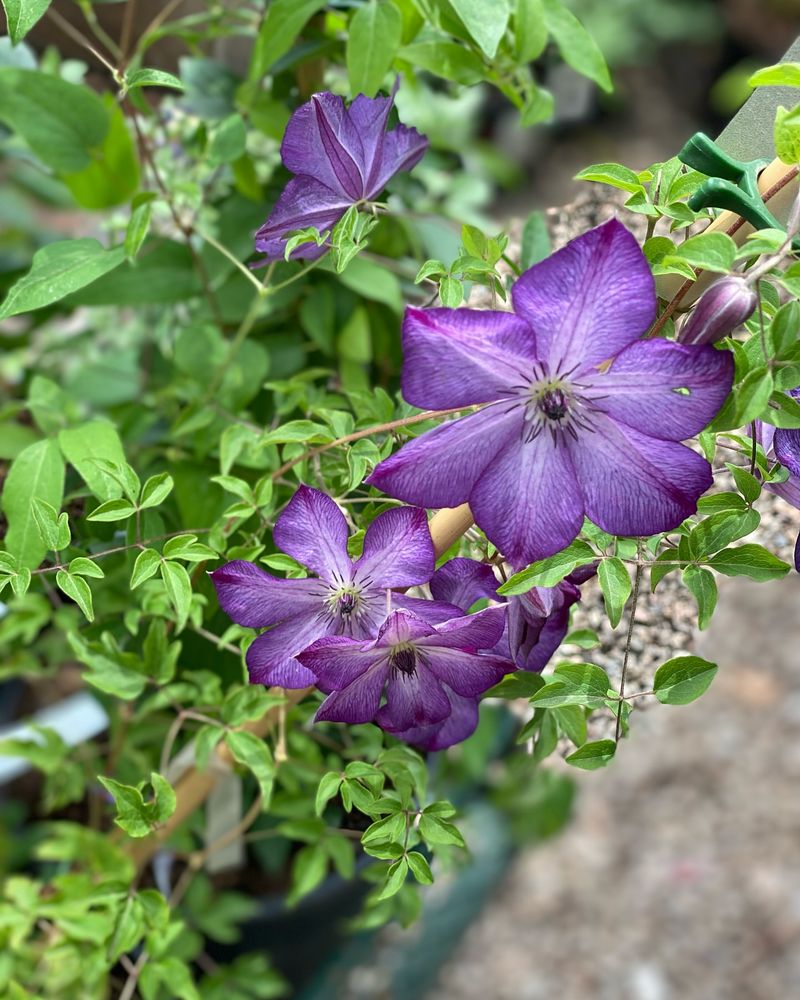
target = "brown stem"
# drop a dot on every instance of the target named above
(367, 432)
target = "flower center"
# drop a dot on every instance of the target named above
(345, 602)
(555, 403)
(403, 657)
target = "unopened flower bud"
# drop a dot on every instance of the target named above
(719, 310)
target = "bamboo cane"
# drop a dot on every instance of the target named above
(777, 192)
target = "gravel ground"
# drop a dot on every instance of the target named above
(680, 874)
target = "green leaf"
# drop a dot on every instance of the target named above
(548, 572)
(113, 174)
(106, 674)
(586, 638)
(86, 567)
(38, 471)
(254, 754)
(58, 269)
(228, 141)
(709, 251)
(613, 174)
(21, 15)
(395, 878)
(53, 529)
(156, 490)
(165, 799)
(78, 589)
(328, 787)
(451, 292)
(112, 510)
(179, 589)
(152, 78)
(63, 123)
(749, 560)
(577, 47)
(146, 565)
(446, 59)
(309, 868)
(373, 39)
(85, 447)
(530, 30)
(131, 808)
(535, 240)
(592, 756)
(434, 830)
(787, 136)
(486, 23)
(703, 586)
(746, 483)
(583, 684)
(721, 529)
(779, 75)
(683, 679)
(137, 228)
(615, 583)
(420, 868)
(283, 22)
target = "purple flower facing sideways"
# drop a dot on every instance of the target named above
(431, 676)
(341, 156)
(536, 623)
(579, 417)
(346, 598)
(784, 445)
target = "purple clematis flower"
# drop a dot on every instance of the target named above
(537, 620)
(342, 156)
(784, 445)
(429, 675)
(578, 415)
(347, 597)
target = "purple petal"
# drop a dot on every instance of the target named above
(529, 501)
(797, 554)
(313, 531)
(432, 612)
(589, 300)
(635, 484)
(640, 387)
(788, 490)
(253, 598)
(786, 445)
(538, 622)
(322, 141)
(303, 202)
(478, 631)
(463, 582)
(358, 702)
(271, 658)
(402, 626)
(440, 468)
(461, 723)
(401, 149)
(469, 674)
(413, 699)
(337, 660)
(398, 550)
(458, 357)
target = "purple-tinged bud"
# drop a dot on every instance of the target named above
(719, 310)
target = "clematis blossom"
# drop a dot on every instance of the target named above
(346, 597)
(579, 416)
(431, 676)
(537, 621)
(784, 445)
(341, 156)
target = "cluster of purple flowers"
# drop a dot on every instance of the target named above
(575, 415)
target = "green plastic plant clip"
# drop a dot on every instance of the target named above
(732, 184)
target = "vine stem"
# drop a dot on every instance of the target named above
(367, 432)
(626, 655)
